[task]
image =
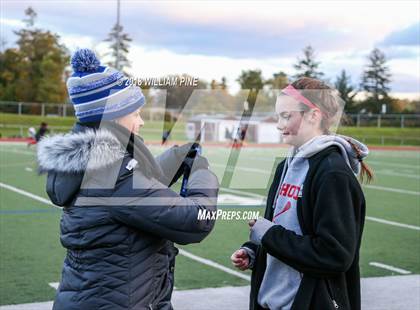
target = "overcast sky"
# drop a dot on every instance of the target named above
(211, 39)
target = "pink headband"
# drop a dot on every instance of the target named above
(293, 92)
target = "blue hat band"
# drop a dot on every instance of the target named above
(111, 113)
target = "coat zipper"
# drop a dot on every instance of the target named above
(334, 302)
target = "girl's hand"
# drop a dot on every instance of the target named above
(240, 259)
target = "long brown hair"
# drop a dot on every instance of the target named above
(327, 100)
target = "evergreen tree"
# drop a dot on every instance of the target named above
(307, 66)
(31, 16)
(346, 90)
(376, 76)
(119, 45)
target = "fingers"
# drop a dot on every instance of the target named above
(242, 265)
(240, 259)
(238, 256)
(241, 253)
(234, 256)
(240, 262)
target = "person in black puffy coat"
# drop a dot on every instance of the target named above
(120, 217)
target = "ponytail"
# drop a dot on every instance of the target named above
(365, 171)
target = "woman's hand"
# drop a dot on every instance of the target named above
(251, 223)
(240, 259)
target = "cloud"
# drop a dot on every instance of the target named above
(215, 39)
(409, 36)
(233, 28)
(406, 83)
(11, 22)
(232, 42)
(192, 31)
(401, 52)
(402, 43)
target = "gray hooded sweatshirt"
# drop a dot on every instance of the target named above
(281, 282)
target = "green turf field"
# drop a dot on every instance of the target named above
(31, 254)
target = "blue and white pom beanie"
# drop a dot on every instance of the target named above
(99, 92)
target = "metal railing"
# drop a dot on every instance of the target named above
(158, 113)
(21, 131)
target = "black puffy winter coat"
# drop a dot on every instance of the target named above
(120, 219)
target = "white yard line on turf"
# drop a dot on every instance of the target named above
(390, 173)
(370, 218)
(391, 268)
(383, 188)
(396, 174)
(28, 194)
(46, 201)
(268, 172)
(271, 160)
(18, 152)
(235, 200)
(390, 189)
(375, 162)
(181, 251)
(393, 164)
(213, 264)
(17, 164)
(392, 223)
(242, 168)
(394, 153)
(239, 192)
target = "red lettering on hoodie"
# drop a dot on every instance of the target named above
(290, 190)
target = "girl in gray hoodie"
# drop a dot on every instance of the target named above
(304, 253)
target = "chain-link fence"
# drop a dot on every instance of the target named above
(159, 113)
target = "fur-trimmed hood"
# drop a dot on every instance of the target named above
(71, 152)
(67, 157)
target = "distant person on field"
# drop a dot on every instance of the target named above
(31, 132)
(36, 136)
(238, 142)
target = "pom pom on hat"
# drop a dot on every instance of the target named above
(84, 60)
